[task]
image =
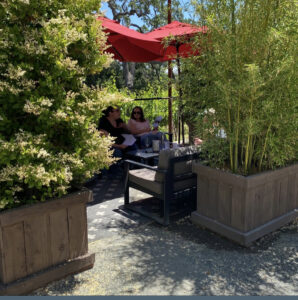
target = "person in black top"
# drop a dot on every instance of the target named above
(111, 124)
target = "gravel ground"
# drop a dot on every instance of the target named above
(184, 259)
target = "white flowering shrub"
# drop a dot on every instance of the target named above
(48, 138)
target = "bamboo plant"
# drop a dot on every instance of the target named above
(246, 84)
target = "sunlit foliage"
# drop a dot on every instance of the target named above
(48, 140)
(245, 82)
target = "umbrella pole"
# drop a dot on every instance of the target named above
(170, 118)
(182, 122)
(181, 119)
(180, 96)
(179, 123)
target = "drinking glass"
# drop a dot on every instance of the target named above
(147, 142)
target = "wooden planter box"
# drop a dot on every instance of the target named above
(245, 208)
(43, 242)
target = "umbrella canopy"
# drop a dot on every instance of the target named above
(129, 45)
(181, 33)
(178, 46)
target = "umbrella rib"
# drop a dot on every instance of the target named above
(118, 53)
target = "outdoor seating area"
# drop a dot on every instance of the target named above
(141, 155)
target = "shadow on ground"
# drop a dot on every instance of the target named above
(137, 257)
(186, 260)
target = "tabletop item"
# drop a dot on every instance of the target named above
(155, 145)
(166, 145)
(129, 139)
(147, 142)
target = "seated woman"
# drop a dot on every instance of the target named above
(140, 127)
(111, 124)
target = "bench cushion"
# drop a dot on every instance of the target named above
(146, 179)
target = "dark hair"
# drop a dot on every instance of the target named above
(107, 111)
(142, 119)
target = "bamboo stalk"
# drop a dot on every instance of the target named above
(246, 154)
(236, 136)
(248, 144)
(264, 148)
(241, 155)
(252, 146)
(231, 144)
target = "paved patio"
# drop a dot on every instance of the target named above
(135, 256)
(106, 216)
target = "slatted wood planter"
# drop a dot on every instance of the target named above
(43, 242)
(244, 209)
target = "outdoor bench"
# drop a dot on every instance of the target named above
(172, 181)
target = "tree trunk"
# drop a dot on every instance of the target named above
(129, 73)
(191, 129)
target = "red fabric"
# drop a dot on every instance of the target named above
(179, 30)
(130, 45)
(175, 29)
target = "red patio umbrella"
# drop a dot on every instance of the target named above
(180, 34)
(129, 45)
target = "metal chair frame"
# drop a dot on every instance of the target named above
(168, 193)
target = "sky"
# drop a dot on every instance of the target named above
(134, 19)
(108, 14)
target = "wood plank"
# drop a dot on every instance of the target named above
(77, 222)
(275, 204)
(59, 236)
(17, 215)
(33, 282)
(268, 200)
(2, 270)
(203, 186)
(296, 185)
(283, 201)
(225, 177)
(197, 193)
(257, 203)
(263, 177)
(14, 252)
(213, 199)
(238, 209)
(36, 243)
(244, 238)
(292, 192)
(249, 209)
(49, 238)
(224, 204)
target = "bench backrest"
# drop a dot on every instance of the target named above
(179, 167)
